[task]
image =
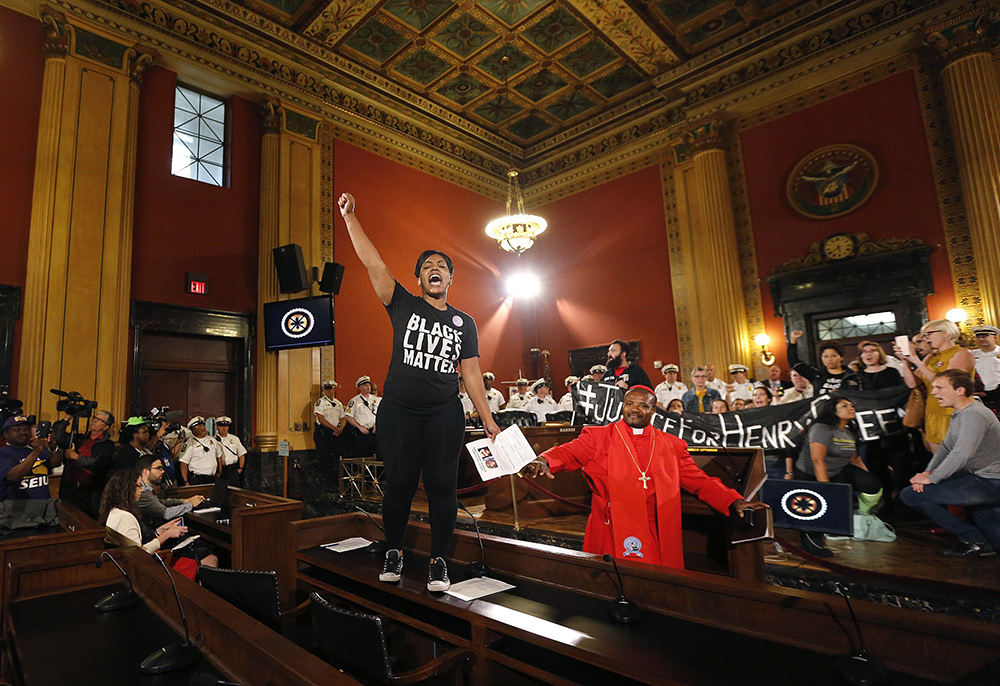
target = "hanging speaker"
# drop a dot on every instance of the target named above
(291, 268)
(333, 275)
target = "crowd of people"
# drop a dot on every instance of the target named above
(123, 486)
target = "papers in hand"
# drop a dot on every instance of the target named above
(506, 455)
(206, 510)
(347, 544)
(470, 589)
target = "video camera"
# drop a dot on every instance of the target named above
(73, 403)
(158, 416)
(76, 406)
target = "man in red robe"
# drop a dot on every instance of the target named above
(636, 472)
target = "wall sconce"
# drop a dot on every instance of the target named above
(766, 357)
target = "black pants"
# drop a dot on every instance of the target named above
(195, 479)
(328, 449)
(414, 441)
(230, 473)
(860, 480)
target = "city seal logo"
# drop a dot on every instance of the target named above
(832, 181)
(803, 504)
(297, 323)
(633, 546)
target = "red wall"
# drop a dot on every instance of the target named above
(183, 225)
(883, 118)
(580, 261)
(21, 63)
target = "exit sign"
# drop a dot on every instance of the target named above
(197, 283)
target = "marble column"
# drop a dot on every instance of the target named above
(79, 273)
(716, 268)
(972, 91)
(266, 392)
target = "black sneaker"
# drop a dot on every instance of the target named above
(968, 549)
(393, 566)
(437, 575)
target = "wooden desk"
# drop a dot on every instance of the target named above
(555, 627)
(233, 644)
(59, 639)
(76, 534)
(257, 522)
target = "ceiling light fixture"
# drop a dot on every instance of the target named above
(516, 231)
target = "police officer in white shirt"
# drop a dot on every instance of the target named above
(234, 455)
(201, 459)
(520, 399)
(493, 397)
(542, 401)
(987, 355)
(597, 371)
(566, 402)
(740, 387)
(330, 418)
(713, 381)
(360, 413)
(670, 388)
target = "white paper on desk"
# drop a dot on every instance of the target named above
(186, 542)
(506, 455)
(471, 589)
(206, 510)
(347, 544)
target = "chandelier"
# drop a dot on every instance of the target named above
(515, 232)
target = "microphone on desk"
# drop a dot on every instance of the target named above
(478, 568)
(623, 610)
(175, 655)
(375, 547)
(118, 600)
(858, 667)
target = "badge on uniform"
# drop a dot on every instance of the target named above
(633, 546)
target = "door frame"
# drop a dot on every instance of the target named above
(147, 317)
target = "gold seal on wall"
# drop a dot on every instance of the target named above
(832, 181)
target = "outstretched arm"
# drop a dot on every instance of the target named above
(382, 279)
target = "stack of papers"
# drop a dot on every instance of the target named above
(206, 510)
(347, 544)
(471, 589)
(506, 455)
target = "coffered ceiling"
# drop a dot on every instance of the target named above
(525, 71)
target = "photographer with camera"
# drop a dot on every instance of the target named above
(201, 458)
(87, 463)
(26, 461)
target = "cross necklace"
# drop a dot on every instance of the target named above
(642, 472)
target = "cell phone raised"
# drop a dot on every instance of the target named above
(44, 429)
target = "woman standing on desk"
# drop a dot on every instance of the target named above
(420, 423)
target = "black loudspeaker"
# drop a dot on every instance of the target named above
(291, 268)
(333, 275)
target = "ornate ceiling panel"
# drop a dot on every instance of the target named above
(569, 62)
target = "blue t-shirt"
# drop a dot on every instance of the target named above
(34, 484)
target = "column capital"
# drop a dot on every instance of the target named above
(137, 61)
(970, 33)
(705, 135)
(274, 115)
(56, 32)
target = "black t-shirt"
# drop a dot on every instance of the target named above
(426, 345)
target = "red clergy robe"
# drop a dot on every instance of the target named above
(626, 520)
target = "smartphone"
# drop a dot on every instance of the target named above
(180, 522)
(44, 429)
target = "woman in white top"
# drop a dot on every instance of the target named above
(120, 516)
